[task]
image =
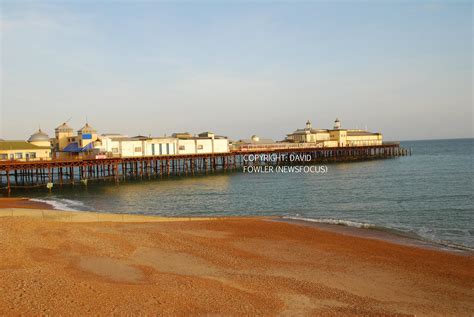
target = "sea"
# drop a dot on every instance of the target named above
(428, 195)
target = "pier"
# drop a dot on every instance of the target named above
(68, 172)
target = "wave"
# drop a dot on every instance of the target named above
(62, 204)
(348, 223)
(418, 236)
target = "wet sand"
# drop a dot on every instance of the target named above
(243, 266)
(22, 203)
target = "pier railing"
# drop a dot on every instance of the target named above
(60, 172)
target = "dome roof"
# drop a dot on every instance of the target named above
(39, 136)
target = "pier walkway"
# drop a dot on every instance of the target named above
(52, 173)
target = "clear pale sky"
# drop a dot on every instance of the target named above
(237, 69)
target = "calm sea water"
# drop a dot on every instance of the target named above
(429, 194)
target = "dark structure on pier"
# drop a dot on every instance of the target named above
(69, 172)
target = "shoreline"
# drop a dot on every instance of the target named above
(28, 207)
(382, 234)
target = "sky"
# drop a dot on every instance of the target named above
(237, 68)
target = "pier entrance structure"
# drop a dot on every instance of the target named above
(61, 172)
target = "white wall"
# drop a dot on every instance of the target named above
(221, 145)
(131, 148)
(204, 146)
(161, 146)
(186, 146)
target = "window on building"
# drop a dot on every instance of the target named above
(32, 155)
(115, 150)
(200, 147)
(3, 156)
(138, 149)
(18, 156)
(181, 147)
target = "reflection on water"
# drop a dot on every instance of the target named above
(429, 193)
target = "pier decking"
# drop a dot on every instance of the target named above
(53, 173)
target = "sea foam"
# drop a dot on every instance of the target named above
(348, 223)
(62, 204)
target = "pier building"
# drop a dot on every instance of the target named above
(254, 142)
(178, 143)
(40, 139)
(38, 147)
(116, 157)
(87, 143)
(67, 145)
(116, 145)
(23, 151)
(63, 133)
(205, 142)
(162, 146)
(336, 137)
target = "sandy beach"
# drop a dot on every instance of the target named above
(70, 265)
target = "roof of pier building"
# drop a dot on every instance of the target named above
(75, 148)
(19, 145)
(207, 134)
(39, 136)
(182, 135)
(361, 133)
(113, 135)
(86, 129)
(64, 128)
(255, 140)
(306, 131)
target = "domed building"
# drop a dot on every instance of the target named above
(38, 147)
(40, 138)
